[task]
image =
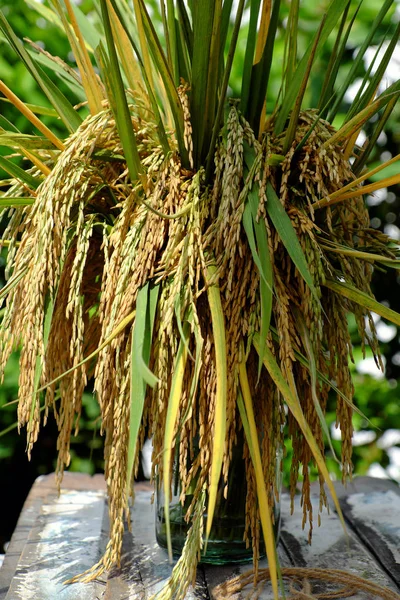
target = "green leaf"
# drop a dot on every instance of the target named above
(203, 62)
(291, 42)
(294, 117)
(74, 86)
(166, 76)
(90, 33)
(285, 229)
(38, 110)
(219, 432)
(169, 429)
(119, 102)
(250, 429)
(357, 62)
(352, 293)
(224, 87)
(295, 408)
(333, 14)
(307, 344)
(364, 155)
(186, 27)
(140, 374)
(171, 35)
(152, 97)
(336, 59)
(12, 201)
(249, 55)
(347, 130)
(303, 361)
(256, 230)
(146, 305)
(5, 124)
(23, 176)
(64, 108)
(25, 141)
(261, 71)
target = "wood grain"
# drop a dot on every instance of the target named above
(60, 536)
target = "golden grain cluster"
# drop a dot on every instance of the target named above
(92, 242)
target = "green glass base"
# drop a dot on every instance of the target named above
(225, 545)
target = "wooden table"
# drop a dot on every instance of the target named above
(58, 537)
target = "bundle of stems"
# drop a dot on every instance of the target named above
(195, 255)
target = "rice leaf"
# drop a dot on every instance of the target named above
(120, 24)
(12, 201)
(25, 141)
(368, 175)
(363, 99)
(186, 27)
(367, 256)
(169, 429)
(303, 361)
(90, 33)
(26, 111)
(387, 4)
(178, 317)
(352, 293)
(333, 15)
(47, 13)
(64, 108)
(203, 31)
(371, 145)
(255, 228)
(349, 128)
(5, 124)
(145, 314)
(249, 54)
(250, 429)
(142, 333)
(12, 169)
(307, 344)
(260, 73)
(294, 406)
(294, 116)
(367, 189)
(225, 26)
(173, 41)
(120, 105)
(151, 40)
(284, 227)
(91, 84)
(61, 69)
(218, 327)
(224, 87)
(290, 59)
(336, 58)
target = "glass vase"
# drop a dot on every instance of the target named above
(226, 542)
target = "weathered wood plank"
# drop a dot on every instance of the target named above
(63, 542)
(144, 559)
(216, 575)
(330, 548)
(372, 507)
(38, 495)
(57, 538)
